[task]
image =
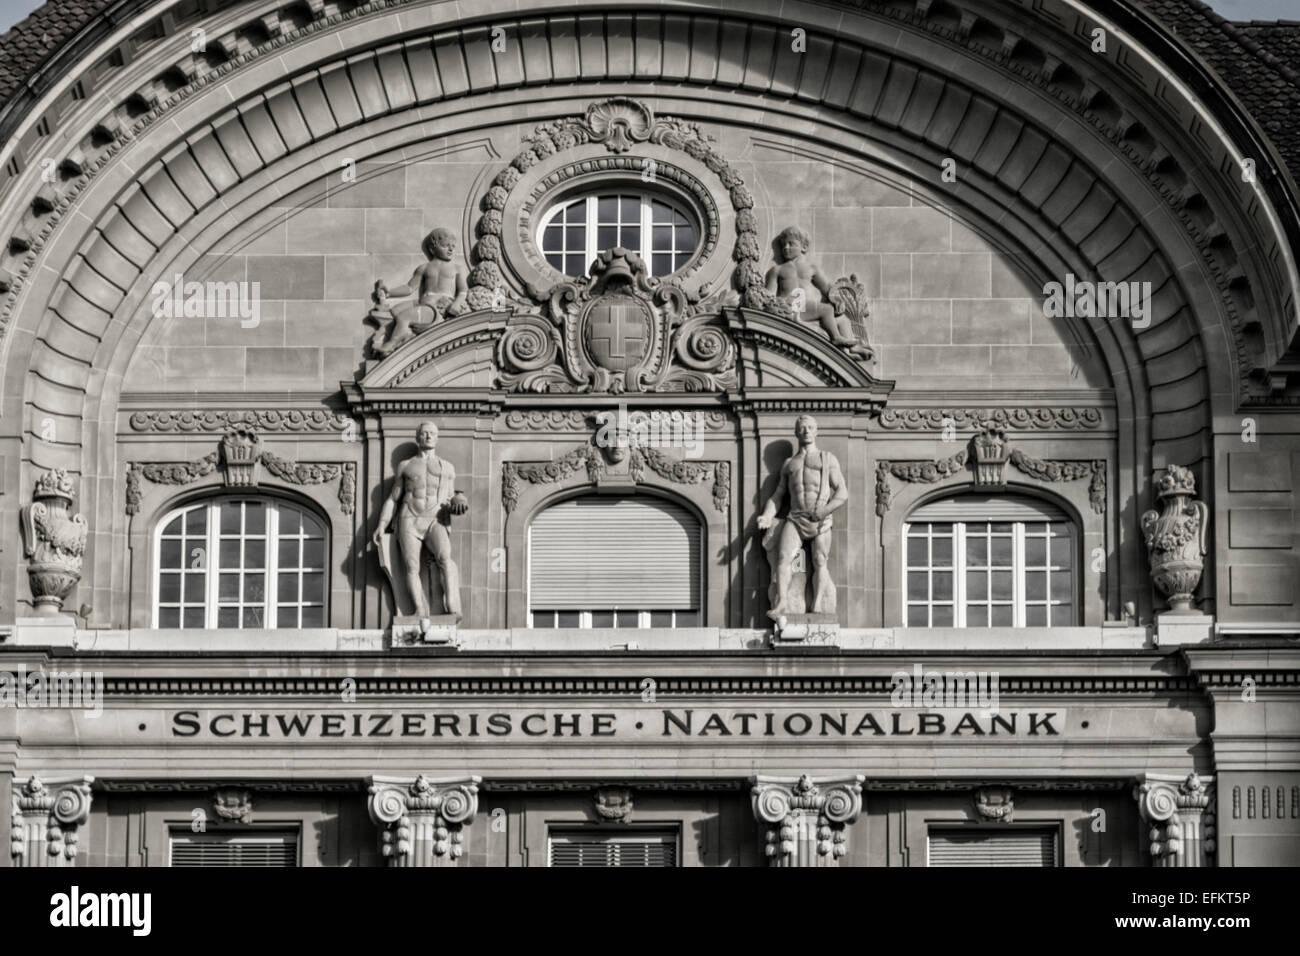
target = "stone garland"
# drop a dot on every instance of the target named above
(295, 473)
(930, 472)
(926, 472)
(640, 458)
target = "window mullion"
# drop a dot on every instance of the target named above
(647, 222)
(212, 568)
(959, 574)
(590, 237)
(271, 562)
(1018, 574)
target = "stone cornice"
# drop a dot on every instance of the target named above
(202, 688)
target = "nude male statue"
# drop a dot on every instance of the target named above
(812, 480)
(425, 489)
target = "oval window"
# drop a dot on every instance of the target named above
(573, 232)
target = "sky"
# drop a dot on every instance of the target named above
(11, 11)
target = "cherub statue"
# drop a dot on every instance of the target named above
(800, 285)
(440, 285)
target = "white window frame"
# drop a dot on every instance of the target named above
(211, 601)
(1018, 569)
(646, 251)
(643, 618)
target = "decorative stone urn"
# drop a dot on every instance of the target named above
(1176, 539)
(54, 541)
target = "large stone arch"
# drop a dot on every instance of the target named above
(1063, 158)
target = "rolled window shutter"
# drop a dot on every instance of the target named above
(988, 508)
(594, 553)
(273, 849)
(981, 847)
(579, 848)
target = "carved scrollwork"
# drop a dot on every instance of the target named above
(621, 330)
(805, 820)
(423, 820)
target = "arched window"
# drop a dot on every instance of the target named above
(601, 561)
(990, 561)
(664, 234)
(241, 562)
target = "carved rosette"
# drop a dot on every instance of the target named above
(1179, 815)
(1175, 538)
(55, 541)
(423, 820)
(805, 821)
(991, 453)
(46, 818)
(621, 330)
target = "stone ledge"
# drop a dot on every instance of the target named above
(62, 632)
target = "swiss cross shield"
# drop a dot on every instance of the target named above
(617, 332)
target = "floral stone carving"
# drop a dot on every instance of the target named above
(55, 541)
(1175, 539)
(622, 330)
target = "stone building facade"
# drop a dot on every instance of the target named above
(864, 434)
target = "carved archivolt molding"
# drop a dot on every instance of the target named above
(639, 459)
(805, 821)
(989, 451)
(1092, 97)
(1004, 419)
(238, 455)
(313, 420)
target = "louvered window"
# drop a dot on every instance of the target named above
(615, 562)
(603, 848)
(989, 561)
(264, 848)
(972, 846)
